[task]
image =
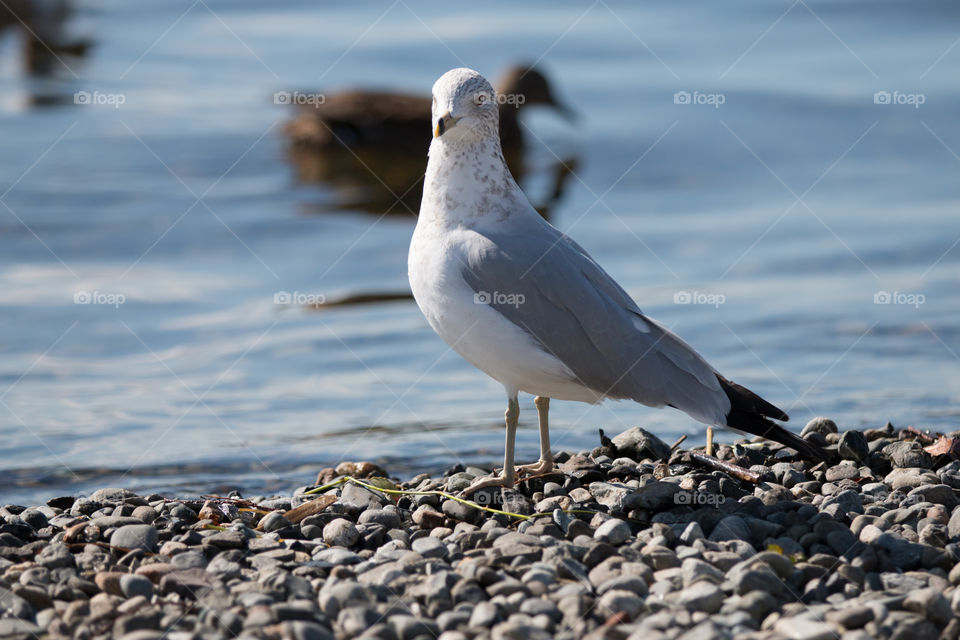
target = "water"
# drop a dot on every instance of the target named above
(794, 203)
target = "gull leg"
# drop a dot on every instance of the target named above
(506, 478)
(545, 464)
(709, 440)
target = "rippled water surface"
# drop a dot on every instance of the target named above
(787, 198)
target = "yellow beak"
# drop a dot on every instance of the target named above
(445, 123)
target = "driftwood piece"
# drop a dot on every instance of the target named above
(732, 469)
(307, 509)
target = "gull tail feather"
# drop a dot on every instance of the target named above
(752, 414)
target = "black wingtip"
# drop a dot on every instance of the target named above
(752, 414)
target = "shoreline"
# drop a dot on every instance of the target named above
(633, 539)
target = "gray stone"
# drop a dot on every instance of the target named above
(430, 547)
(936, 493)
(803, 628)
(953, 525)
(613, 495)
(907, 453)
(656, 496)
(337, 557)
(851, 617)
(484, 615)
(759, 577)
(386, 517)
(408, 627)
(341, 533)
(274, 521)
(335, 596)
(637, 444)
(613, 531)
(631, 583)
(620, 601)
(908, 478)
(843, 471)
(821, 425)
(929, 603)
(848, 501)
(136, 536)
(134, 585)
(692, 533)
(14, 604)
(730, 528)
(307, 630)
(111, 495)
(853, 446)
(694, 570)
(18, 628)
(702, 596)
(356, 497)
(191, 559)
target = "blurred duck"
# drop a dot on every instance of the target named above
(358, 118)
(369, 148)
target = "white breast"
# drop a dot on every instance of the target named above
(476, 331)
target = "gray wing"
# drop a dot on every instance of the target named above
(549, 286)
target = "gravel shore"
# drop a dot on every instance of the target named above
(631, 540)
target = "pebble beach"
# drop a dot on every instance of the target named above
(634, 539)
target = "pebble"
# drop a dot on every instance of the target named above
(613, 531)
(135, 536)
(340, 533)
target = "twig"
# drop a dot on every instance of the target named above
(678, 443)
(734, 470)
(924, 438)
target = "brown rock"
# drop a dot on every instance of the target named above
(109, 582)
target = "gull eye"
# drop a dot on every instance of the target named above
(482, 98)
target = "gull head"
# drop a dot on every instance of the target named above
(464, 107)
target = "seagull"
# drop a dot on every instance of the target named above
(527, 305)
